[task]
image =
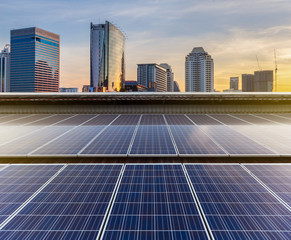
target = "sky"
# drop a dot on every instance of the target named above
(234, 32)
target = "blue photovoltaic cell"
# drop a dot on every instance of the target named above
(19, 182)
(234, 142)
(72, 142)
(72, 206)
(191, 140)
(32, 141)
(152, 140)
(113, 140)
(152, 120)
(127, 120)
(177, 120)
(237, 206)
(276, 176)
(154, 202)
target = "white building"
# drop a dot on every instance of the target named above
(199, 71)
(5, 69)
(170, 77)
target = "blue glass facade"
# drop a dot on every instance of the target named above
(35, 55)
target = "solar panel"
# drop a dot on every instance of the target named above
(127, 120)
(72, 206)
(9, 133)
(152, 120)
(114, 140)
(76, 120)
(28, 119)
(51, 120)
(266, 136)
(236, 206)
(28, 143)
(234, 142)
(154, 202)
(11, 118)
(70, 143)
(253, 119)
(276, 176)
(19, 182)
(101, 120)
(275, 118)
(177, 120)
(190, 140)
(151, 140)
(228, 119)
(202, 119)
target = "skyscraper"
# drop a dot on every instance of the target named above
(199, 71)
(107, 70)
(176, 87)
(35, 60)
(263, 81)
(247, 82)
(152, 76)
(170, 77)
(5, 69)
(233, 83)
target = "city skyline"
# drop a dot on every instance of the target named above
(232, 32)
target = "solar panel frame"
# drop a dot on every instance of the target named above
(170, 211)
(216, 210)
(203, 119)
(253, 119)
(275, 118)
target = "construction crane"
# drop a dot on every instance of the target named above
(260, 69)
(276, 69)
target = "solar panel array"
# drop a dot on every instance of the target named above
(145, 135)
(145, 201)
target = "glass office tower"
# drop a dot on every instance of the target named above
(35, 60)
(107, 71)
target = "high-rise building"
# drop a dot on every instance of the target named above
(35, 60)
(176, 87)
(86, 88)
(152, 76)
(5, 69)
(233, 83)
(247, 82)
(263, 81)
(199, 71)
(170, 77)
(106, 58)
